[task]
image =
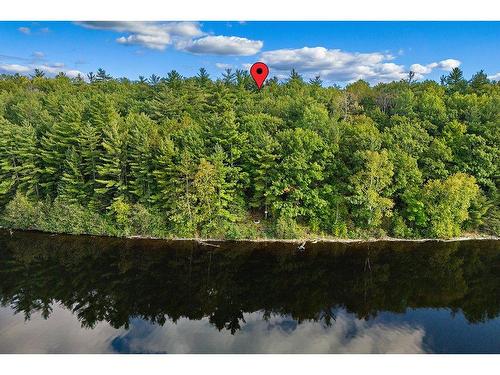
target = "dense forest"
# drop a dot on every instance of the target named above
(196, 157)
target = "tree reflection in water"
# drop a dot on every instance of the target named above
(116, 280)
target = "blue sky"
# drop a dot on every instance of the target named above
(340, 52)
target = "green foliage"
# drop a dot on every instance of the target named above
(447, 203)
(121, 212)
(368, 189)
(193, 157)
(286, 227)
(72, 185)
(21, 213)
(18, 153)
(66, 217)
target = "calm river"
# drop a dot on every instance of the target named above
(81, 294)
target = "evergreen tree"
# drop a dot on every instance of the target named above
(101, 75)
(455, 80)
(55, 143)
(72, 186)
(143, 143)
(479, 82)
(228, 77)
(214, 194)
(316, 81)
(113, 164)
(177, 192)
(154, 79)
(174, 79)
(19, 169)
(89, 144)
(203, 78)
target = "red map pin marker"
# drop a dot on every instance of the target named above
(259, 72)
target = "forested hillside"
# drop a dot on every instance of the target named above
(196, 157)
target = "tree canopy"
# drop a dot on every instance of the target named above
(195, 156)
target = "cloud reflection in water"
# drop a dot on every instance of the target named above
(278, 334)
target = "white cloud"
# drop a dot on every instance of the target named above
(421, 69)
(495, 77)
(38, 55)
(335, 64)
(223, 66)
(184, 36)
(56, 68)
(24, 30)
(72, 73)
(342, 66)
(447, 65)
(150, 41)
(49, 69)
(223, 45)
(14, 68)
(153, 35)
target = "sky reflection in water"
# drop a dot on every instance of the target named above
(94, 295)
(62, 333)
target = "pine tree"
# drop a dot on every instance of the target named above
(203, 78)
(173, 79)
(215, 195)
(316, 81)
(455, 80)
(72, 186)
(176, 192)
(143, 142)
(18, 160)
(228, 77)
(102, 75)
(225, 133)
(479, 82)
(113, 164)
(100, 112)
(258, 159)
(55, 143)
(154, 79)
(165, 175)
(226, 185)
(89, 144)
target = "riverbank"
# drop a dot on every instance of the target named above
(208, 241)
(328, 239)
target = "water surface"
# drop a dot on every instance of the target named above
(81, 294)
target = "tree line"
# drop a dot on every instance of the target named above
(182, 156)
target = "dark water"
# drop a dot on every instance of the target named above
(63, 294)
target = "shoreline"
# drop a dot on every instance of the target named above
(319, 239)
(313, 240)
